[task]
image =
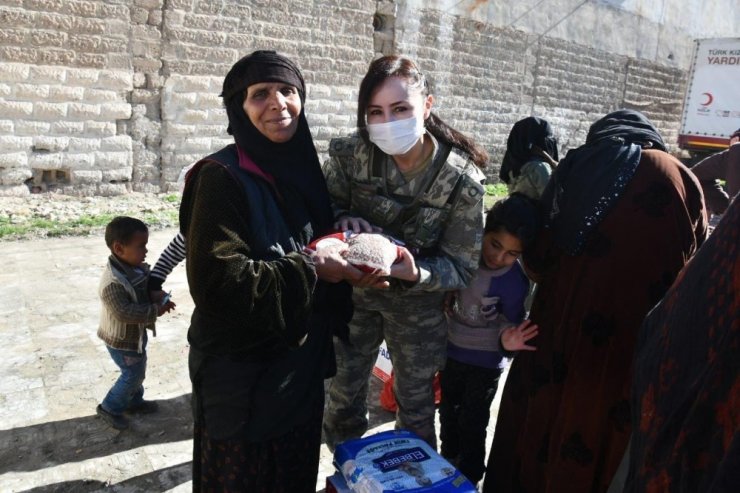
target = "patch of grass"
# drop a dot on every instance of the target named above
(494, 193)
(172, 198)
(81, 226)
(497, 189)
(91, 221)
(162, 219)
(8, 229)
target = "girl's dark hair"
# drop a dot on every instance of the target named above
(400, 66)
(518, 215)
(122, 229)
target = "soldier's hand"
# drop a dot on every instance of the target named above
(405, 268)
(356, 225)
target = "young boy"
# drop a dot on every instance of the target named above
(485, 322)
(126, 313)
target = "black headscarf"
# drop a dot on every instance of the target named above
(295, 167)
(294, 164)
(628, 125)
(524, 135)
(590, 179)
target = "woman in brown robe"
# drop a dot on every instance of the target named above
(622, 217)
(686, 394)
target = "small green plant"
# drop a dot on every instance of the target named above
(494, 193)
(172, 198)
(13, 230)
(90, 221)
(497, 189)
(6, 228)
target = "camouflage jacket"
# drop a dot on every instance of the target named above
(438, 214)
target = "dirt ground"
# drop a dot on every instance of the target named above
(55, 371)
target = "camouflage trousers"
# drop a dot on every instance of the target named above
(415, 330)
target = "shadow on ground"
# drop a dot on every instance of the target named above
(156, 481)
(44, 445)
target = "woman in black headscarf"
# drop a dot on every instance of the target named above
(531, 155)
(261, 332)
(622, 218)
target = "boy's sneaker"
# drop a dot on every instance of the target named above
(144, 407)
(117, 421)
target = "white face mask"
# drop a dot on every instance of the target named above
(396, 137)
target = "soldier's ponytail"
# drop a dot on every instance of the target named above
(450, 136)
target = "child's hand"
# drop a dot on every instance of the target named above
(515, 338)
(162, 309)
(156, 296)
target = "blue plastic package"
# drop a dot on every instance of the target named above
(397, 461)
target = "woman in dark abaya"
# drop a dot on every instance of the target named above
(622, 217)
(531, 155)
(261, 332)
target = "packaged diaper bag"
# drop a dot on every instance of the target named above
(397, 461)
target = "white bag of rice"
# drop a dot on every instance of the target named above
(371, 252)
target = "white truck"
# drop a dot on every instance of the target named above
(711, 110)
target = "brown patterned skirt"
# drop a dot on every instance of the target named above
(286, 464)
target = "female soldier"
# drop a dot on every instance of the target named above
(416, 179)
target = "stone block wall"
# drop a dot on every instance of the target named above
(486, 78)
(65, 81)
(332, 41)
(104, 97)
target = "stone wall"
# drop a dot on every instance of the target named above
(104, 97)
(487, 77)
(65, 84)
(331, 40)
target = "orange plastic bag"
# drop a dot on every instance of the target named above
(388, 400)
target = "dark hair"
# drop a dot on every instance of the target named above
(122, 229)
(518, 215)
(400, 66)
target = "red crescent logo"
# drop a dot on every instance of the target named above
(709, 100)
